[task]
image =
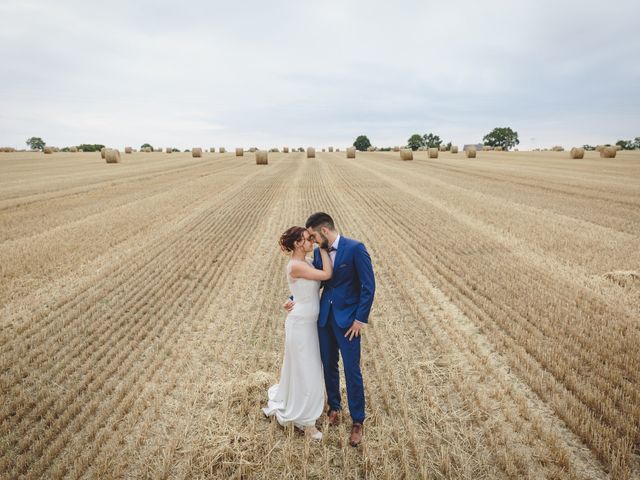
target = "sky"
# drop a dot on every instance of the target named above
(301, 73)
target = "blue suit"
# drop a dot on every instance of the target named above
(346, 297)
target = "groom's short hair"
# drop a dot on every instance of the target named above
(320, 219)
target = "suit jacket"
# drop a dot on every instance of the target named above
(350, 290)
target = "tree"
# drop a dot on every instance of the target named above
(90, 147)
(431, 140)
(35, 143)
(501, 137)
(636, 143)
(415, 142)
(625, 144)
(362, 143)
(589, 147)
(146, 145)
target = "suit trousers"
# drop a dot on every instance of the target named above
(332, 343)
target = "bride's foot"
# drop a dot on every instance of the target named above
(313, 432)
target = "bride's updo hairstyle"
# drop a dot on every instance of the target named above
(289, 238)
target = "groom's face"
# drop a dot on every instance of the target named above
(319, 237)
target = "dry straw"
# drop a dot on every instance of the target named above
(433, 152)
(311, 152)
(212, 149)
(50, 150)
(73, 149)
(253, 149)
(471, 152)
(331, 149)
(443, 148)
(103, 151)
(239, 152)
(498, 149)
(285, 149)
(577, 152)
(196, 152)
(618, 147)
(599, 148)
(128, 149)
(608, 152)
(223, 150)
(486, 148)
(169, 150)
(557, 148)
(112, 155)
(262, 157)
(406, 154)
(351, 152)
(396, 148)
(454, 149)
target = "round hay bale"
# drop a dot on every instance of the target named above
(223, 150)
(262, 157)
(323, 149)
(486, 148)
(128, 149)
(406, 154)
(252, 149)
(169, 149)
(112, 155)
(73, 149)
(196, 152)
(557, 148)
(331, 149)
(599, 148)
(158, 150)
(239, 152)
(103, 152)
(351, 152)
(311, 152)
(618, 147)
(50, 150)
(498, 149)
(443, 148)
(577, 152)
(212, 150)
(285, 149)
(608, 152)
(370, 149)
(337, 149)
(471, 152)
(454, 149)
(433, 153)
(396, 148)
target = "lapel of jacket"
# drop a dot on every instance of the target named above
(340, 253)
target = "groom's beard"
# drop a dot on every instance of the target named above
(325, 241)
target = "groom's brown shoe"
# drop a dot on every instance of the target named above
(356, 434)
(333, 417)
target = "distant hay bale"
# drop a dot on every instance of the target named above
(486, 148)
(285, 149)
(406, 154)
(471, 152)
(351, 152)
(454, 149)
(212, 149)
(158, 150)
(169, 150)
(252, 149)
(222, 150)
(331, 149)
(599, 148)
(396, 148)
(323, 149)
(262, 157)
(337, 149)
(146, 149)
(608, 152)
(50, 150)
(311, 152)
(433, 152)
(128, 149)
(73, 149)
(371, 149)
(498, 149)
(239, 152)
(623, 278)
(196, 152)
(618, 147)
(557, 148)
(443, 148)
(103, 152)
(112, 155)
(577, 152)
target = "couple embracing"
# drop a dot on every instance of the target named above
(320, 327)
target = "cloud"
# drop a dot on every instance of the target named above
(270, 73)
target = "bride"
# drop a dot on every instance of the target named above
(299, 396)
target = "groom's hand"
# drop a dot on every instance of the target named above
(354, 330)
(288, 305)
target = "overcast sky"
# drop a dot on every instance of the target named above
(272, 73)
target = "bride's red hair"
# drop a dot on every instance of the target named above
(290, 237)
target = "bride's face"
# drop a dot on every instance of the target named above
(307, 243)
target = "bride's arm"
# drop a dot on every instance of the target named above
(304, 270)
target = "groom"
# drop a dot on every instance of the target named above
(344, 310)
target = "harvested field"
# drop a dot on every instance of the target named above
(141, 320)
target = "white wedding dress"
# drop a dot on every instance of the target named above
(299, 397)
